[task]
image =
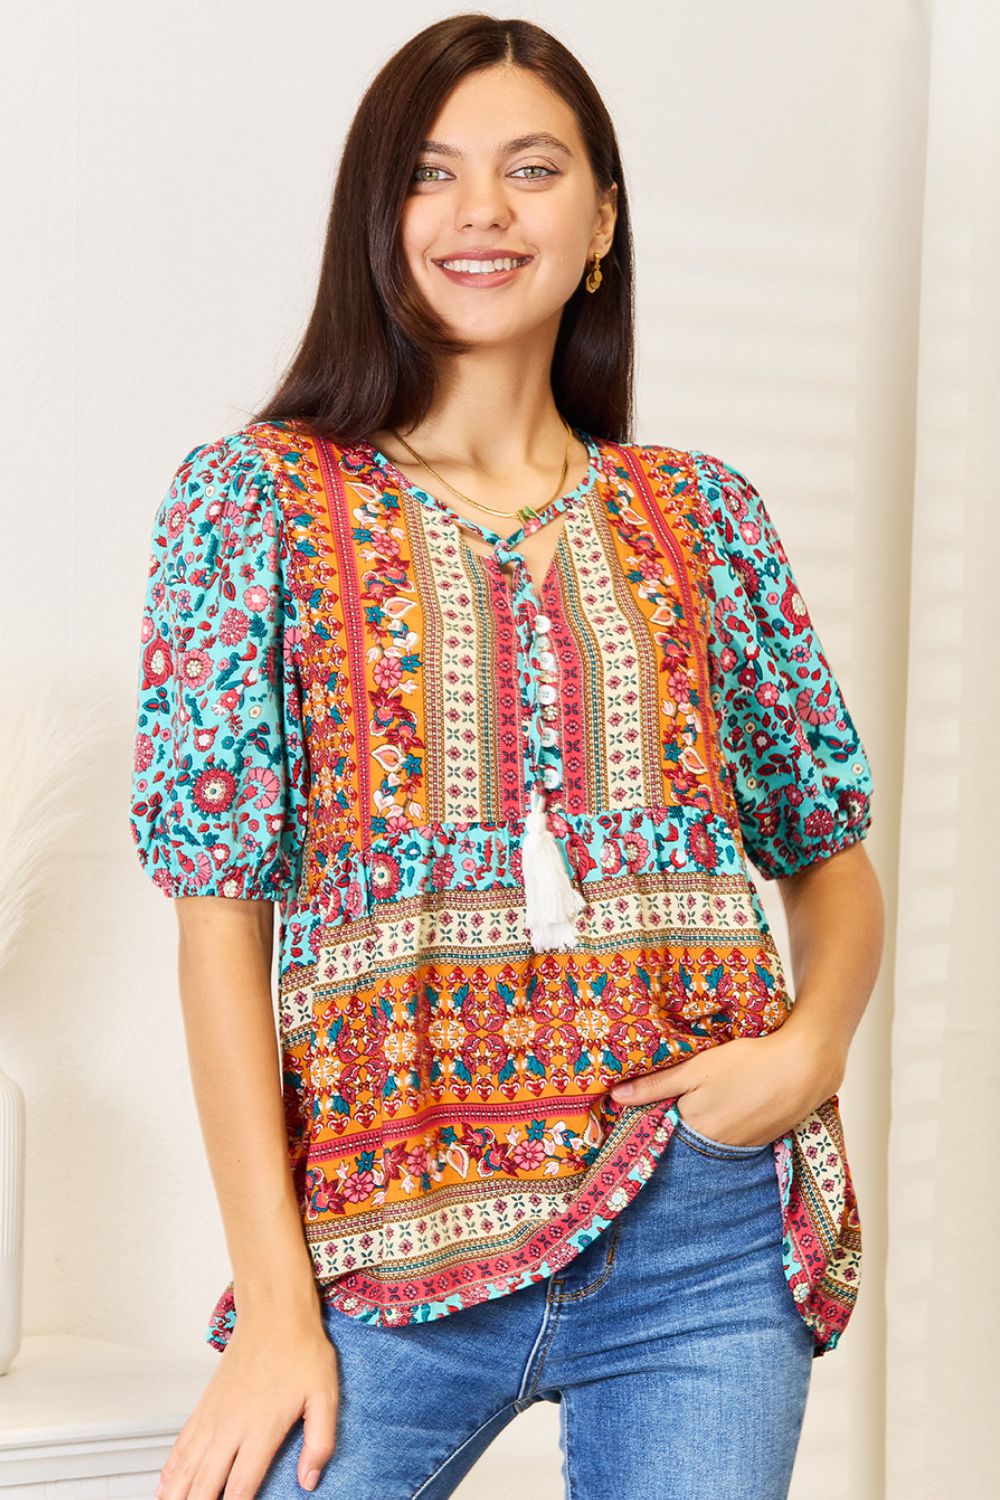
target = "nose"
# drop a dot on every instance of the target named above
(482, 203)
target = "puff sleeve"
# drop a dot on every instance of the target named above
(219, 780)
(799, 771)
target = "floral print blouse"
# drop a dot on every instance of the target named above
(343, 708)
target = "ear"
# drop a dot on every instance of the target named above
(607, 213)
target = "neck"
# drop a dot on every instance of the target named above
(495, 416)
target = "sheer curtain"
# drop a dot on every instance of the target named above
(942, 1428)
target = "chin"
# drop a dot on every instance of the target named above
(484, 334)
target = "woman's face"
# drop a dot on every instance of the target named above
(479, 185)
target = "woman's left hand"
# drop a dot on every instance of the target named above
(744, 1092)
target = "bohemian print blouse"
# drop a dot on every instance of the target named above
(343, 708)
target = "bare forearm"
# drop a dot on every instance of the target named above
(836, 925)
(224, 971)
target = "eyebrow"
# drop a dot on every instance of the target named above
(519, 143)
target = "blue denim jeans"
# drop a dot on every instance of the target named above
(679, 1360)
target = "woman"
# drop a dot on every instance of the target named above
(494, 703)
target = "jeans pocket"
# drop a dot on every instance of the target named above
(710, 1147)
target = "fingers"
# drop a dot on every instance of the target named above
(179, 1461)
(659, 1085)
(260, 1388)
(226, 1469)
(198, 1470)
(246, 1475)
(222, 1466)
(319, 1424)
(180, 1472)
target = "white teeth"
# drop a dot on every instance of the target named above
(482, 267)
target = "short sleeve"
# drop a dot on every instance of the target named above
(219, 780)
(800, 773)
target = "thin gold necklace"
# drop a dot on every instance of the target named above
(526, 512)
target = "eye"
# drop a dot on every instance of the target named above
(428, 167)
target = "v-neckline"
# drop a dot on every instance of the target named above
(538, 591)
(522, 585)
(487, 534)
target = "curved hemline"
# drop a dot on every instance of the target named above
(363, 1298)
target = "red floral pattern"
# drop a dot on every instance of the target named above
(340, 710)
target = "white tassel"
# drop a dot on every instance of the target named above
(552, 901)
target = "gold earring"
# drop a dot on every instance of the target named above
(594, 279)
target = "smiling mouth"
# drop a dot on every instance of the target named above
(484, 267)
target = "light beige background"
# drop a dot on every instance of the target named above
(816, 204)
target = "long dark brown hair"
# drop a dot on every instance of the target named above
(367, 357)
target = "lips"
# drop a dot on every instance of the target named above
(484, 279)
(468, 260)
(495, 254)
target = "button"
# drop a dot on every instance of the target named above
(542, 624)
(547, 693)
(547, 660)
(547, 735)
(552, 776)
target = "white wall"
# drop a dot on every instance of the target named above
(170, 171)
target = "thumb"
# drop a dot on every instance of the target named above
(663, 1084)
(319, 1424)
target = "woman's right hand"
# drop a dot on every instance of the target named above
(272, 1372)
